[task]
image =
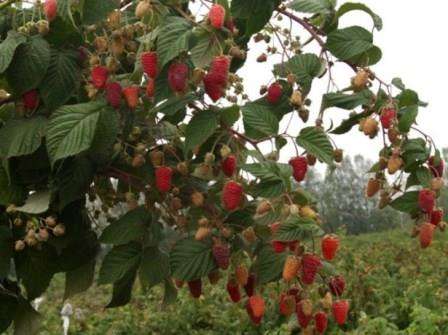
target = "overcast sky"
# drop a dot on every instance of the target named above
(413, 41)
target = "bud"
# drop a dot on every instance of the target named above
(59, 230)
(360, 81)
(394, 164)
(197, 199)
(308, 212)
(19, 245)
(156, 157)
(225, 151)
(437, 184)
(294, 209)
(209, 158)
(338, 155)
(296, 99)
(327, 301)
(263, 207)
(50, 221)
(249, 235)
(202, 233)
(101, 44)
(370, 127)
(311, 159)
(138, 161)
(197, 76)
(182, 168)
(143, 9)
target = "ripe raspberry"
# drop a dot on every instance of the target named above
(290, 268)
(287, 304)
(249, 288)
(426, 200)
(232, 195)
(302, 317)
(99, 76)
(51, 9)
(256, 304)
(436, 216)
(387, 117)
(275, 92)
(437, 167)
(221, 254)
(178, 77)
(216, 16)
(149, 63)
(113, 94)
(131, 96)
(234, 290)
(299, 167)
(30, 99)
(242, 275)
(279, 246)
(310, 265)
(330, 244)
(212, 86)
(292, 245)
(255, 320)
(230, 24)
(163, 178)
(337, 285)
(321, 322)
(195, 287)
(426, 234)
(340, 311)
(220, 66)
(151, 87)
(295, 292)
(228, 165)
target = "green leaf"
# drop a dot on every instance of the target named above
(10, 193)
(398, 83)
(407, 118)
(106, 133)
(407, 203)
(190, 260)
(37, 203)
(347, 124)
(20, 137)
(30, 64)
(256, 13)
(369, 57)
(408, 98)
(61, 80)
(269, 171)
(72, 128)
(268, 265)
(311, 6)
(122, 289)
(424, 176)
(129, 227)
(170, 293)
(230, 115)
(297, 228)
(79, 280)
(155, 266)
(305, 67)
(8, 48)
(351, 6)
(119, 261)
(349, 42)
(260, 118)
(65, 11)
(97, 10)
(173, 39)
(27, 320)
(200, 128)
(6, 250)
(269, 189)
(315, 141)
(207, 47)
(8, 308)
(173, 104)
(346, 101)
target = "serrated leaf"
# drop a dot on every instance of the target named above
(129, 227)
(190, 260)
(8, 48)
(268, 265)
(297, 228)
(256, 13)
(173, 39)
(79, 280)
(347, 124)
(6, 250)
(155, 266)
(207, 47)
(346, 101)
(349, 42)
(398, 83)
(119, 262)
(169, 294)
(200, 128)
(311, 6)
(407, 203)
(367, 58)
(97, 10)
(424, 176)
(230, 115)
(27, 320)
(260, 118)
(407, 118)
(173, 104)
(20, 137)
(71, 129)
(270, 189)
(37, 203)
(30, 64)
(61, 80)
(351, 6)
(315, 141)
(122, 289)
(10, 193)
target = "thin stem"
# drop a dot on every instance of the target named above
(7, 3)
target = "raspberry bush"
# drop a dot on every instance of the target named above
(125, 123)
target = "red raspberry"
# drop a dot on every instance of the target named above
(249, 288)
(220, 67)
(163, 178)
(279, 246)
(295, 292)
(30, 99)
(426, 200)
(131, 96)
(255, 320)
(310, 265)
(232, 195)
(230, 24)
(426, 234)
(287, 304)
(195, 287)
(149, 63)
(302, 318)
(387, 116)
(113, 94)
(436, 216)
(292, 245)
(178, 77)
(257, 306)
(330, 244)
(340, 311)
(99, 76)
(221, 254)
(151, 87)
(275, 92)
(212, 86)
(228, 165)
(234, 290)
(51, 9)
(321, 322)
(438, 168)
(216, 16)
(337, 285)
(299, 168)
